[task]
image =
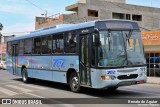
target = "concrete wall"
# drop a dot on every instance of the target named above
(150, 16)
(152, 48)
(88, 1)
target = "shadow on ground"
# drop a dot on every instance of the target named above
(102, 93)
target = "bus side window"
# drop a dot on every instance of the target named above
(47, 45)
(16, 47)
(28, 46)
(37, 45)
(21, 47)
(70, 42)
(9, 48)
(58, 44)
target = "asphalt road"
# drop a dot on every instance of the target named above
(13, 87)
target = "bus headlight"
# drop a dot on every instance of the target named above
(108, 77)
(143, 69)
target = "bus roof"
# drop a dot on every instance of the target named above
(61, 28)
(55, 29)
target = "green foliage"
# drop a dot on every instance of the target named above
(1, 26)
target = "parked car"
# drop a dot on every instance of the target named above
(2, 64)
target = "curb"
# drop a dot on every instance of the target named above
(153, 80)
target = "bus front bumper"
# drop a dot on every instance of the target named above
(101, 79)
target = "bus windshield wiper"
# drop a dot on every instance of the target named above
(128, 36)
(109, 40)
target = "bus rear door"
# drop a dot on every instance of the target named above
(14, 59)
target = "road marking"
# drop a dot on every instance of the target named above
(55, 101)
(32, 86)
(19, 88)
(138, 90)
(65, 105)
(6, 91)
(8, 83)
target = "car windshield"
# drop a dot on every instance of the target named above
(120, 48)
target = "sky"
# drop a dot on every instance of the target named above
(19, 15)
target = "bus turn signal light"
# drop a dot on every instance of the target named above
(105, 77)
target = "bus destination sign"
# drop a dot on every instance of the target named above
(116, 25)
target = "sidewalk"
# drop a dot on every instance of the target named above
(153, 80)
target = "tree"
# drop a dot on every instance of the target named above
(1, 26)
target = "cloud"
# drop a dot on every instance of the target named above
(18, 29)
(19, 9)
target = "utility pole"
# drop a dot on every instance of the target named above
(1, 27)
(45, 16)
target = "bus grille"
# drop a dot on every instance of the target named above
(131, 76)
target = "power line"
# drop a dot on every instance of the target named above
(38, 7)
(35, 5)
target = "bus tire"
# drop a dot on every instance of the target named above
(25, 75)
(74, 82)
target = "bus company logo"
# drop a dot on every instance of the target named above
(85, 31)
(128, 75)
(58, 63)
(111, 72)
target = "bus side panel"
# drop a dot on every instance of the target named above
(9, 64)
(27, 62)
(42, 67)
(61, 64)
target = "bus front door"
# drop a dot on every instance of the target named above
(85, 60)
(14, 59)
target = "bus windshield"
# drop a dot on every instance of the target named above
(120, 48)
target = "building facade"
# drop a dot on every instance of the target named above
(85, 10)
(151, 41)
(3, 46)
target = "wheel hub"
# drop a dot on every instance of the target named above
(24, 76)
(75, 82)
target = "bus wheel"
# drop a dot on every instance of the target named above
(25, 75)
(74, 82)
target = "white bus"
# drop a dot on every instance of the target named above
(96, 54)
